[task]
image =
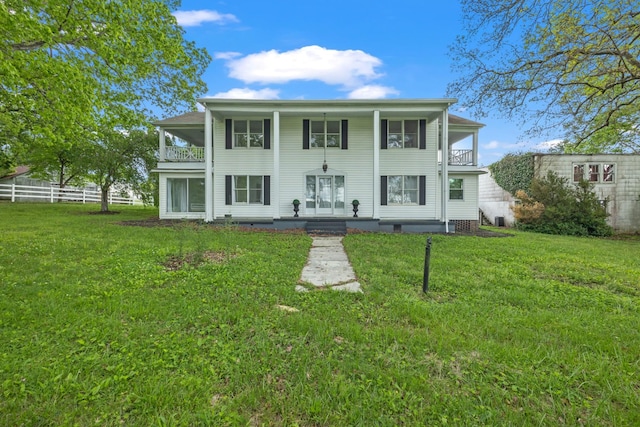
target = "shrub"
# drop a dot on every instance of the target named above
(553, 206)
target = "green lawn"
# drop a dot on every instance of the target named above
(97, 328)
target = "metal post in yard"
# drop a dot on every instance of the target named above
(427, 259)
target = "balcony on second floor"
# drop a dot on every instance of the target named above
(461, 158)
(191, 153)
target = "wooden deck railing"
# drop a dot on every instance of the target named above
(461, 157)
(184, 154)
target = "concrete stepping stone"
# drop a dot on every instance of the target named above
(328, 266)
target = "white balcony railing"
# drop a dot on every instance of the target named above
(461, 157)
(184, 154)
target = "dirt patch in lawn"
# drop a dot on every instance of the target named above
(196, 259)
(482, 233)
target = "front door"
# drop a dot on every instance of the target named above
(325, 195)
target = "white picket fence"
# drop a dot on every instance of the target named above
(16, 192)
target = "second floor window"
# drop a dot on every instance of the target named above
(402, 134)
(325, 132)
(594, 172)
(248, 133)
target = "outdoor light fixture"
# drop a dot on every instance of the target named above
(325, 166)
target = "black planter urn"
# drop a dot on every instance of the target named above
(355, 204)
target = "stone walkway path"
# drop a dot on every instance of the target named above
(328, 267)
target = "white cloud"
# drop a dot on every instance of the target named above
(547, 145)
(348, 68)
(226, 55)
(491, 145)
(194, 18)
(372, 92)
(246, 93)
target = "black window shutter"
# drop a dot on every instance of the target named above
(422, 190)
(383, 190)
(267, 134)
(228, 134)
(383, 135)
(227, 190)
(423, 134)
(267, 190)
(345, 134)
(305, 134)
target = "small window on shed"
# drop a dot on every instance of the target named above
(578, 173)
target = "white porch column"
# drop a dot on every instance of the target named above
(275, 182)
(208, 166)
(445, 169)
(376, 165)
(475, 148)
(163, 148)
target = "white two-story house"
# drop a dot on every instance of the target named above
(250, 160)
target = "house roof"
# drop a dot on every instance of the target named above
(191, 118)
(20, 170)
(457, 120)
(190, 126)
(195, 118)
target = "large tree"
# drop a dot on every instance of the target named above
(66, 64)
(121, 157)
(568, 66)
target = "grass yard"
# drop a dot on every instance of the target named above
(106, 324)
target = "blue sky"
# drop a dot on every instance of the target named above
(296, 49)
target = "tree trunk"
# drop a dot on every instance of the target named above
(104, 199)
(61, 182)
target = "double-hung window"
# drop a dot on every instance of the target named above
(248, 189)
(402, 189)
(402, 134)
(248, 133)
(325, 132)
(456, 189)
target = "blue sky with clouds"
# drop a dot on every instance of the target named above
(296, 49)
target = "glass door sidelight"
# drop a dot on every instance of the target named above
(325, 195)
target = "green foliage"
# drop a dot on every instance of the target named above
(94, 330)
(513, 172)
(554, 64)
(7, 162)
(120, 157)
(569, 210)
(68, 67)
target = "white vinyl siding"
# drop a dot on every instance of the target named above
(466, 209)
(249, 162)
(417, 163)
(355, 164)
